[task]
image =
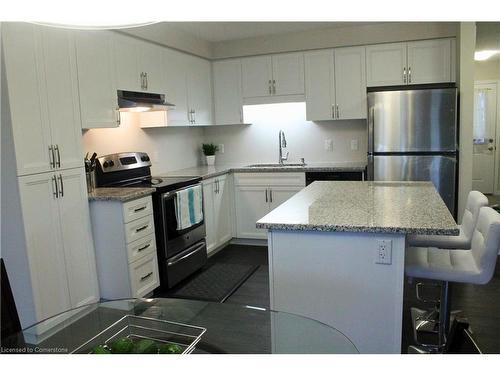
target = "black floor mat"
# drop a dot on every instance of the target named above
(216, 283)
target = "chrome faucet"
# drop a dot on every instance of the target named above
(282, 145)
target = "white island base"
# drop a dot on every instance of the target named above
(332, 277)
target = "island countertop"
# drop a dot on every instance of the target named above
(372, 207)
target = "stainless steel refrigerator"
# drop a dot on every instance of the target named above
(412, 136)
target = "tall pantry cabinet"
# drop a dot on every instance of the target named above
(41, 75)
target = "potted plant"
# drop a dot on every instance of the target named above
(209, 149)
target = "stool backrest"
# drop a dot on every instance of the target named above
(475, 201)
(486, 243)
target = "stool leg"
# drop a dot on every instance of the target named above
(444, 313)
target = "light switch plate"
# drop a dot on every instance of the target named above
(383, 252)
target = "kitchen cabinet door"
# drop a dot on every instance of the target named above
(257, 75)
(44, 247)
(199, 83)
(222, 210)
(77, 238)
(386, 64)
(279, 194)
(350, 83)
(175, 64)
(288, 74)
(96, 79)
(128, 76)
(228, 101)
(209, 214)
(62, 96)
(429, 61)
(27, 98)
(319, 85)
(151, 62)
(252, 203)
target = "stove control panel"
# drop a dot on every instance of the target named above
(123, 161)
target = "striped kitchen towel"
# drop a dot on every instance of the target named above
(189, 207)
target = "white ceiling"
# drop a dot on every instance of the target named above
(223, 31)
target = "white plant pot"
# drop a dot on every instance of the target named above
(210, 159)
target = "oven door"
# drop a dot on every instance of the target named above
(185, 263)
(177, 240)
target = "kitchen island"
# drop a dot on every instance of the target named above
(337, 253)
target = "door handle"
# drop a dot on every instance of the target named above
(409, 74)
(266, 196)
(404, 75)
(194, 116)
(58, 163)
(338, 112)
(52, 158)
(62, 186)
(270, 88)
(271, 195)
(141, 228)
(333, 111)
(274, 87)
(147, 276)
(55, 189)
(146, 76)
(143, 248)
(142, 80)
(140, 209)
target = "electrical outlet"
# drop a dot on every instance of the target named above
(354, 145)
(221, 148)
(328, 145)
(383, 253)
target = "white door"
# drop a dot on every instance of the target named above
(256, 76)
(319, 85)
(151, 62)
(386, 64)
(175, 66)
(280, 194)
(429, 61)
(350, 83)
(128, 76)
(222, 210)
(485, 123)
(62, 96)
(252, 203)
(288, 74)
(209, 214)
(49, 281)
(77, 237)
(28, 111)
(228, 101)
(200, 91)
(96, 79)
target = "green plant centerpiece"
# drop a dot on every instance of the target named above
(209, 149)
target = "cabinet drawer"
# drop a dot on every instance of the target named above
(139, 228)
(141, 247)
(137, 208)
(270, 179)
(144, 275)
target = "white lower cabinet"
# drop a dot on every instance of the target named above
(59, 242)
(217, 211)
(124, 239)
(256, 194)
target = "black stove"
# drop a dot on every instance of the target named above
(180, 251)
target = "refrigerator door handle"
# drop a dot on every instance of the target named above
(371, 124)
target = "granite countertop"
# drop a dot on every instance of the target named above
(119, 194)
(356, 206)
(206, 172)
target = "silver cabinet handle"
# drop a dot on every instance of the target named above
(270, 87)
(140, 209)
(52, 158)
(274, 87)
(404, 75)
(333, 111)
(338, 112)
(215, 186)
(266, 196)
(409, 74)
(58, 163)
(218, 186)
(271, 195)
(143, 248)
(147, 276)
(142, 80)
(61, 192)
(141, 228)
(194, 116)
(146, 76)
(55, 189)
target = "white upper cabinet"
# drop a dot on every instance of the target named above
(276, 75)
(128, 76)
(350, 83)
(151, 63)
(319, 84)
(411, 63)
(335, 84)
(228, 101)
(257, 76)
(96, 79)
(43, 98)
(175, 67)
(199, 89)
(429, 61)
(386, 64)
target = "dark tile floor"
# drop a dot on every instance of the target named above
(480, 304)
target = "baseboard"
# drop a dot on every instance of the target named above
(248, 242)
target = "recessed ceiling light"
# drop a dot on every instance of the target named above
(484, 55)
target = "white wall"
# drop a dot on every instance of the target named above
(170, 148)
(258, 143)
(488, 69)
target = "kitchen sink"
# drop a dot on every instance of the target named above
(276, 165)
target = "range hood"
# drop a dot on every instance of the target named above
(134, 101)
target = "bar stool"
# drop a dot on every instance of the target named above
(475, 266)
(475, 201)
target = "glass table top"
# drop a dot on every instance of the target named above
(224, 328)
